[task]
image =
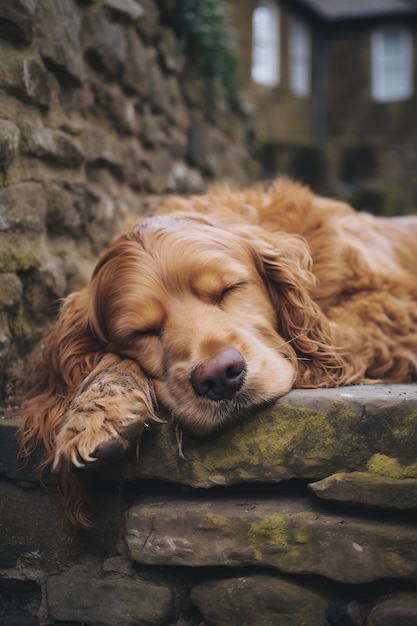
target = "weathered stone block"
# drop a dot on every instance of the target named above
(177, 111)
(158, 88)
(171, 57)
(23, 208)
(25, 77)
(186, 179)
(149, 22)
(9, 142)
(120, 111)
(285, 532)
(33, 542)
(177, 143)
(70, 208)
(11, 290)
(17, 20)
(76, 596)
(159, 163)
(56, 145)
(152, 131)
(106, 44)
(368, 489)
(59, 36)
(306, 434)
(264, 600)
(37, 82)
(126, 8)
(398, 610)
(135, 160)
(136, 74)
(22, 536)
(47, 285)
(101, 146)
(17, 252)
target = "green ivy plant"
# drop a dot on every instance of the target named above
(203, 29)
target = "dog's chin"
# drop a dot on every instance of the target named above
(209, 416)
(203, 416)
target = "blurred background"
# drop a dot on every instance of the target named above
(333, 89)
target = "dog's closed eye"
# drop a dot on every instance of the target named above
(146, 333)
(219, 297)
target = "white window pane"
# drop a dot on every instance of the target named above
(266, 53)
(392, 63)
(300, 58)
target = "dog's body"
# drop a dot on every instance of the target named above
(221, 303)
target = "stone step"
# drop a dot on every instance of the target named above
(307, 434)
(286, 532)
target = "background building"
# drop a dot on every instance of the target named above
(334, 87)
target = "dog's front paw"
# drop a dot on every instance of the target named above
(104, 420)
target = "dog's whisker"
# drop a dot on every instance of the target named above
(179, 436)
(285, 343)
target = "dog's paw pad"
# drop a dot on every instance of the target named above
(109, 452)
(132, 431)
(111, 449)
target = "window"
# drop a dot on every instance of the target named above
(266, 44)
(300, 58)
(392, 63)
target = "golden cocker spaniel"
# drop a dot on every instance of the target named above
(218, 304)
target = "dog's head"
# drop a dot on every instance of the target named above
(218, 316)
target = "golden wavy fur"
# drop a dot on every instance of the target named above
(221, 303)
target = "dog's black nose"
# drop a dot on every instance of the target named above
(221, 377)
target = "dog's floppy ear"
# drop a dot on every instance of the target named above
(71, 349)
(286, 266)
(69, 353)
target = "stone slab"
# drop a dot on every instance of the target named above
(76, 596)
(286, 532)
(368, 489)
(33, 543)
(307, 434)
(399, 609)
(264, 600)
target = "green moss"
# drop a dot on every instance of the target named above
(211, 522)
(390, 466)
(12, 261)
(5, 179)
(282, 441)
(394, 433)
(274, 530)
(18, 325)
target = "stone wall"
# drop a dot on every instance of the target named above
(302, 515)
(100, 114)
